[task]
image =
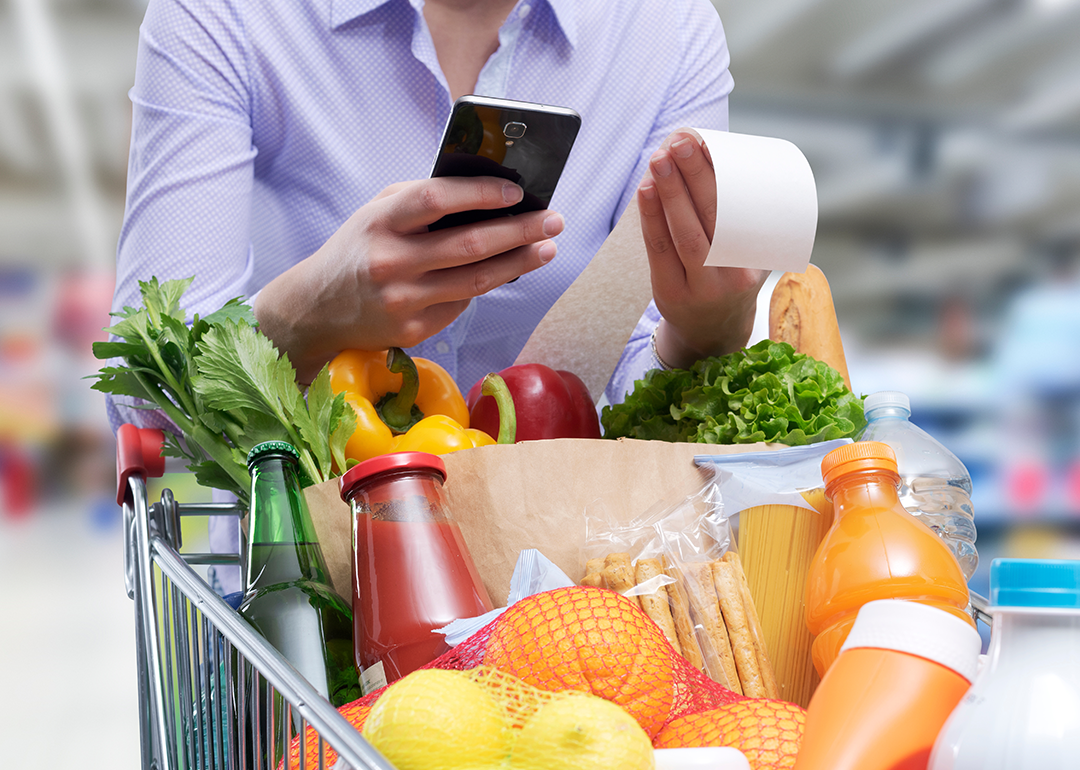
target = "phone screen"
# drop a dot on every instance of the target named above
(527, 144)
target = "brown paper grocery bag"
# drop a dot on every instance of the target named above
(507, 498)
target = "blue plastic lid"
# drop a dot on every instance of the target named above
(1035, 583)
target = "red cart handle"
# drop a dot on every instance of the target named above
(138, 452)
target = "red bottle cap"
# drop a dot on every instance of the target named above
(395, 461)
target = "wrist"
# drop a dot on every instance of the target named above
(672, 348)
(282, 321)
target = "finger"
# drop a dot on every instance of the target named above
(475, 279)
(683, 222)
(699, 177)
(469, 244)
(393, 189)
(429, 200)
(666, 267)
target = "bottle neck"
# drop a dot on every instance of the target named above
(890, 412)
(863, 489)
(282, 545)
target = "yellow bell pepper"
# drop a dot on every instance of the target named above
(438, 435)
(403, 404)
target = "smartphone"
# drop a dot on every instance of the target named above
(524, 142)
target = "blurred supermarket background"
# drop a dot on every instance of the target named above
(945, 140)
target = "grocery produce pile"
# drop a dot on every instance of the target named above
(534, 664)
(225, 388)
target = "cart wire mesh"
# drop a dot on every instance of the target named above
(213, 694)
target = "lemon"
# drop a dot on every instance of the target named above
(438, 720)
(578, 731)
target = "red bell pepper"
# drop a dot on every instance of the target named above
(549, 404)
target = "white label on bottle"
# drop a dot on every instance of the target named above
(373, 678)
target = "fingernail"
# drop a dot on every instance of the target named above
(661, 164)
(547, 252)
(684, 148)
(553, 225)
(511, 193)
(648, 192)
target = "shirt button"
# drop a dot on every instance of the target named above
(524, 11)
(442, 347)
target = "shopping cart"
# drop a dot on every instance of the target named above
(213, 694)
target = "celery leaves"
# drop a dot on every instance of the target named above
(223, 385)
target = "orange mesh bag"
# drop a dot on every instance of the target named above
(483, 719)
(767, 731)
(584, 640)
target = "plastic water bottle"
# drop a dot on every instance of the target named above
(934, 484)
(1023, 712)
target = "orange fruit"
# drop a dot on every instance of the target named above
(356, 712)
(767, 731)
(591, 640)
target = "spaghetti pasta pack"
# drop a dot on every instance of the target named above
(783, 516)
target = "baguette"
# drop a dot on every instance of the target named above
(801, 313)
(656, 605)
(719, 660)
(768, 676)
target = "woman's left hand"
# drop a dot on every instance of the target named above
(706, 310)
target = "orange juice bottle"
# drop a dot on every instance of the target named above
(875, 549)
(903, 669)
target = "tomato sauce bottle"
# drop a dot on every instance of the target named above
(875, 549)
(412, 572)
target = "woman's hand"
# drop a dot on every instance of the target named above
(705, 310)
(382, 280)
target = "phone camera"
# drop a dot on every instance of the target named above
(514, 130)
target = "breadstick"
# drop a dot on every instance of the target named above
(768, 676)
(742, 644)
(801, 313)
(593, 579)
(656, 605)
(719, 659)
(618, 574)
(684, 627)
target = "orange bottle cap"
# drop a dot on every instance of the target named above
(861, 455)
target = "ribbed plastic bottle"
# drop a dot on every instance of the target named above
(934, 484)
(875, 549)
(901, 671)
(1023, 712)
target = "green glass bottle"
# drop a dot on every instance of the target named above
(288, 597)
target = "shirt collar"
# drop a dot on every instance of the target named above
(342, 11)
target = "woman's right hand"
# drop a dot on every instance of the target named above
(383, 280)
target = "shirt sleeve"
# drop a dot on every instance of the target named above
(190, 166)
(190, 170)
(697, 97)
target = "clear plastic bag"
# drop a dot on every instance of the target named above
(679, 562)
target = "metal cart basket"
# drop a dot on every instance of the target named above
(212, 692)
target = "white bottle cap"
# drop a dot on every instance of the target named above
(917, 629)
(886, 398)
